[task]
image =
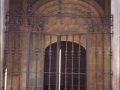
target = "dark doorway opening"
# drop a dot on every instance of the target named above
(72, 66)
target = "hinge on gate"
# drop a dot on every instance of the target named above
(112, 26)
(112, 21)
(112, 34)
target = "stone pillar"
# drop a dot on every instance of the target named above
(1, 40)
(115, 7)
(4, 4)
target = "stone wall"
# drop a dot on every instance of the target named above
(115, 10)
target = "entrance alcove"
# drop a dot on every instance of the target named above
(71, 68)
(78, 20)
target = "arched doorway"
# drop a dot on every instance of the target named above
(45, 21)
(72, 66)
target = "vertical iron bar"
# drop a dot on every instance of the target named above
(50, 57)
(43, 51)
(19, 61)
(110, 63)
(43, 46)
(79, 58)
(96, 62)
(87, 60)
(66, 56)
(13, 52)
(57, 62)
(28, 60)
(103, 52)
(72, 56)
(36, 52)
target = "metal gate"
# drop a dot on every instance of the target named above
(67, 65)
(57, 52)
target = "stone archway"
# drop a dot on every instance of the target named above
(92, 3)
(94, 41)
(72, 70)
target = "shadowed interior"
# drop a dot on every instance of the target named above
(74, 75)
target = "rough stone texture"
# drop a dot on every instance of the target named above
(115, 7)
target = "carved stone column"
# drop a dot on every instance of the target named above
(115, 7)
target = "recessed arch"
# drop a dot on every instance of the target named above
(93, 4)
(24, 53)
(73, 8)
(63, 39)
(76, 65)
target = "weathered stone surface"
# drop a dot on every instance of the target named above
(115, 8)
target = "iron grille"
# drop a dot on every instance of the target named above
(65, 54)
